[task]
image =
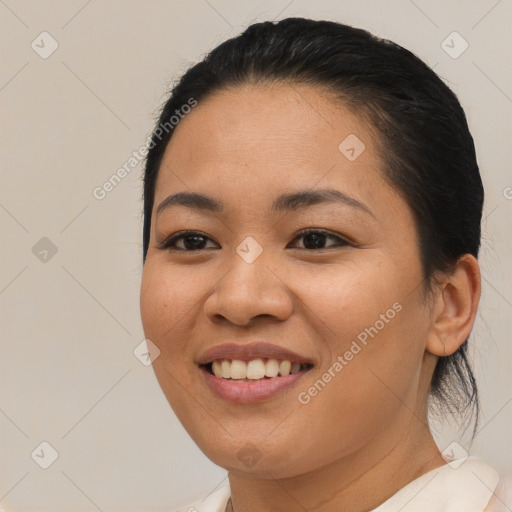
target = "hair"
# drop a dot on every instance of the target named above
(422, 138)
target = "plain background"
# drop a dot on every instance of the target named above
(70, 320)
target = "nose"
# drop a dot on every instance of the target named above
(248, 291)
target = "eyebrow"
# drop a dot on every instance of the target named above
(287, 202)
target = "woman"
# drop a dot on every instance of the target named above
(312, 208)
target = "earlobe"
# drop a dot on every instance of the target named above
(436, 344)
(456, 304)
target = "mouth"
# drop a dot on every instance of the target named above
(254, 369)
(252, 372)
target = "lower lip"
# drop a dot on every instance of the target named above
(245, 392)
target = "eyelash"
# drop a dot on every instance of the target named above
(170, 242)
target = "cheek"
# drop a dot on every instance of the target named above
(350, 298)
(167, 302)
(369, 318)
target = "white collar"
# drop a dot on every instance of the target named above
(460, 486)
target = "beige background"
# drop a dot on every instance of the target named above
(70, 323)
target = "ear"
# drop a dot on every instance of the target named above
(455, 306)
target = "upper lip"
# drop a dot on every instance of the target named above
(249, 351)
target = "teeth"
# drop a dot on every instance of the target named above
(295, 368)
(255, 369)
(272, 368)
(226, 369)
(238, 369)
(216, 368)
(284, 368)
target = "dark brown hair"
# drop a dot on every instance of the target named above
(429, 153)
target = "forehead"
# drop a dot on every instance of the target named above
(256, 141)
(276, 121)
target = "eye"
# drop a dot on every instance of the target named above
(316, 238)
(192, 241)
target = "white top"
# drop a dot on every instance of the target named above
(463, 485)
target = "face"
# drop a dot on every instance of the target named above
(335, 279)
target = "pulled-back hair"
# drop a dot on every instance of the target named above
(420, 128)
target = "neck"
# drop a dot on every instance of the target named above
(358, 482)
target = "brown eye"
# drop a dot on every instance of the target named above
(188, 241)
(316, 239)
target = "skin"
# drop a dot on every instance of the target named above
(365, 435)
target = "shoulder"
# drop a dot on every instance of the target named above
(501, 500)
(474, 482)
(464, 485)
(213, 502)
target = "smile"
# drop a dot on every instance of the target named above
(257, 380)
(255, 369)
